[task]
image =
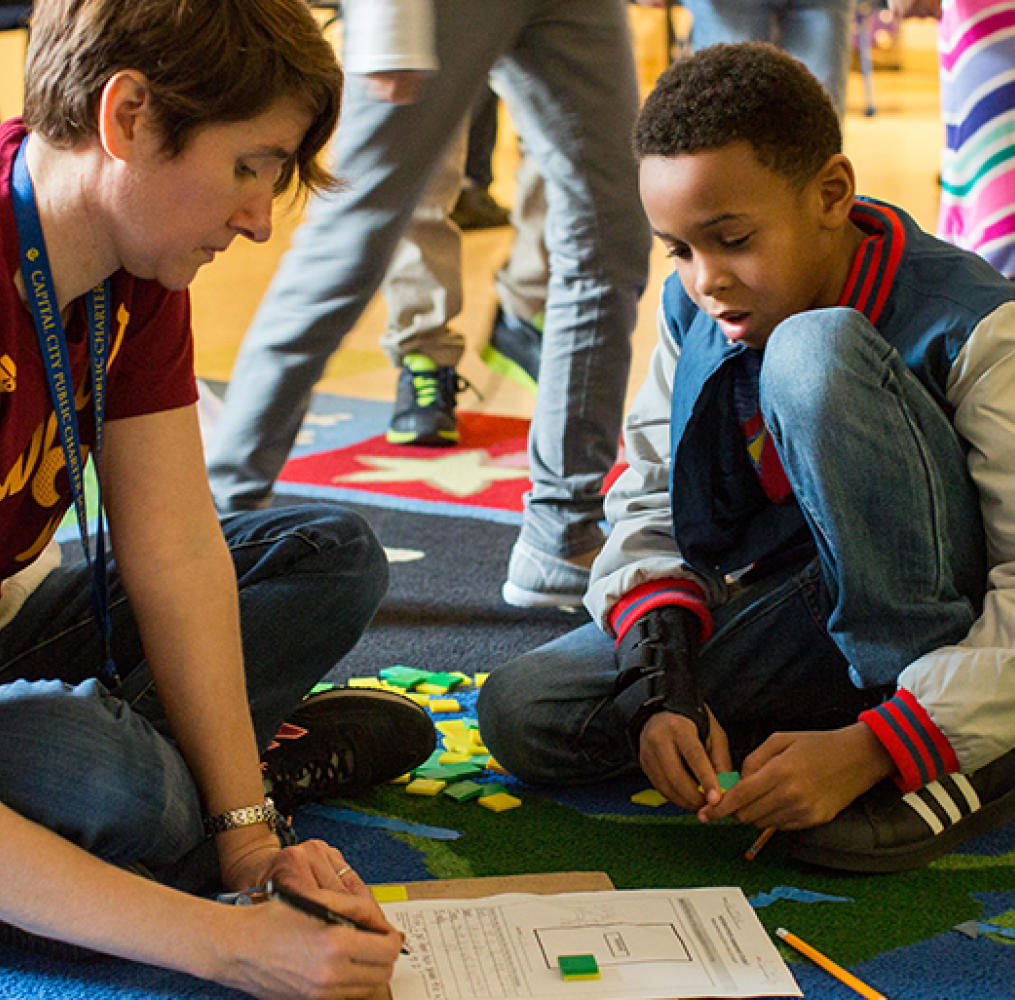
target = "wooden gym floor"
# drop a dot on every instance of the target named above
(895, 151)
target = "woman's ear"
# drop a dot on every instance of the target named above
(124, 114)
(836, 183)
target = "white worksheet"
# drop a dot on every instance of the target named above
(650, 944)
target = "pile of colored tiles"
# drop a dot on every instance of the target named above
(451, 768)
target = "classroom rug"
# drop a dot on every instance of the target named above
(443, 613)
(341, 454)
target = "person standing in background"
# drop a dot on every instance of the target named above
(976, 48)
(570, 86)
(817, 32)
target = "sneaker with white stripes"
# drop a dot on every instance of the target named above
(887, 831)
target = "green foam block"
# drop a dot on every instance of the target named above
(578, 966)
(464, 791)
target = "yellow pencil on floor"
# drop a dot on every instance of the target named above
(752, 852)
(829, 966)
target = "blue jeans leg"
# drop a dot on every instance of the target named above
(100, 767)
(551, 716)
(569, 76)
(817, 32)
(882, 479)
(570, 87)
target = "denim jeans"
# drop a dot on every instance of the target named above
(100, 767)
(817, 32)
(569, 83)
(898, 569)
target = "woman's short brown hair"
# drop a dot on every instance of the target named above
(207, 61)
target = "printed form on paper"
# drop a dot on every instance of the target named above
(650, 944)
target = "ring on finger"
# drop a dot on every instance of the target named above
(342, 871)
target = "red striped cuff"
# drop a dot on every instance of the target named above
(920, 750)
(660, 594)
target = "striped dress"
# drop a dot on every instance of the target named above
(976, 45)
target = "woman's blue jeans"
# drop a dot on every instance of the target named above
(100, 767)
(898, 568)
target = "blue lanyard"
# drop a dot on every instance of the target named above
(38, 279)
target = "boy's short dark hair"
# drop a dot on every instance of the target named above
(208, 62)
(748, 92)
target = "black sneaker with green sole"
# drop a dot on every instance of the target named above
(514, 350)
(424, 412)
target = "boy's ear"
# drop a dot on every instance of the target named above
(124, 113)
(836, 189)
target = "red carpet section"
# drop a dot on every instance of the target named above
(487, 470)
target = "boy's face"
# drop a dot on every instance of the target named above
(171, 215)
(751, 248)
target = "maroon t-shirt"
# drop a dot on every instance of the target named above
(151, 369)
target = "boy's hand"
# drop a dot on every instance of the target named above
(798, 780)
(675, 761)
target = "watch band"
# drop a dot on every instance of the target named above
(265, 812)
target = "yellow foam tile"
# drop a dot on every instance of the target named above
(425, 786)
(390, 893)
(444, 705)
(474, 737)
(427, 688)
(455, 728)
(649, 797)
(465, 678)
(401, 780)
(492, 765)
(481, 679)
(373, 684)
(468, 750)
(500, 802)
(454, 758)
(419, 699)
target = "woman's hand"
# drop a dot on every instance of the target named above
(278, 953)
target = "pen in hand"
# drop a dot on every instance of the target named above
(275, 890)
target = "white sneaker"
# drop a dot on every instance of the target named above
(539, 580)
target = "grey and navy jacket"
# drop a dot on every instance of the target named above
(952, 319)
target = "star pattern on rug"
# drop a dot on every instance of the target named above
(461, 473)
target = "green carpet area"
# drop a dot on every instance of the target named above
(890, 911)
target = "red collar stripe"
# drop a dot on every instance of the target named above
(877, 260)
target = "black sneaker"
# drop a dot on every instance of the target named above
(341, 742)
(476, 208)
(514, 349)
(886, 831)
(424, 411)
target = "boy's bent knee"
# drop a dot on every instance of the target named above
(509, 716)
(808, 361)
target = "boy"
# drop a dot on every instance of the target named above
(155, 133)
(809, 572)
